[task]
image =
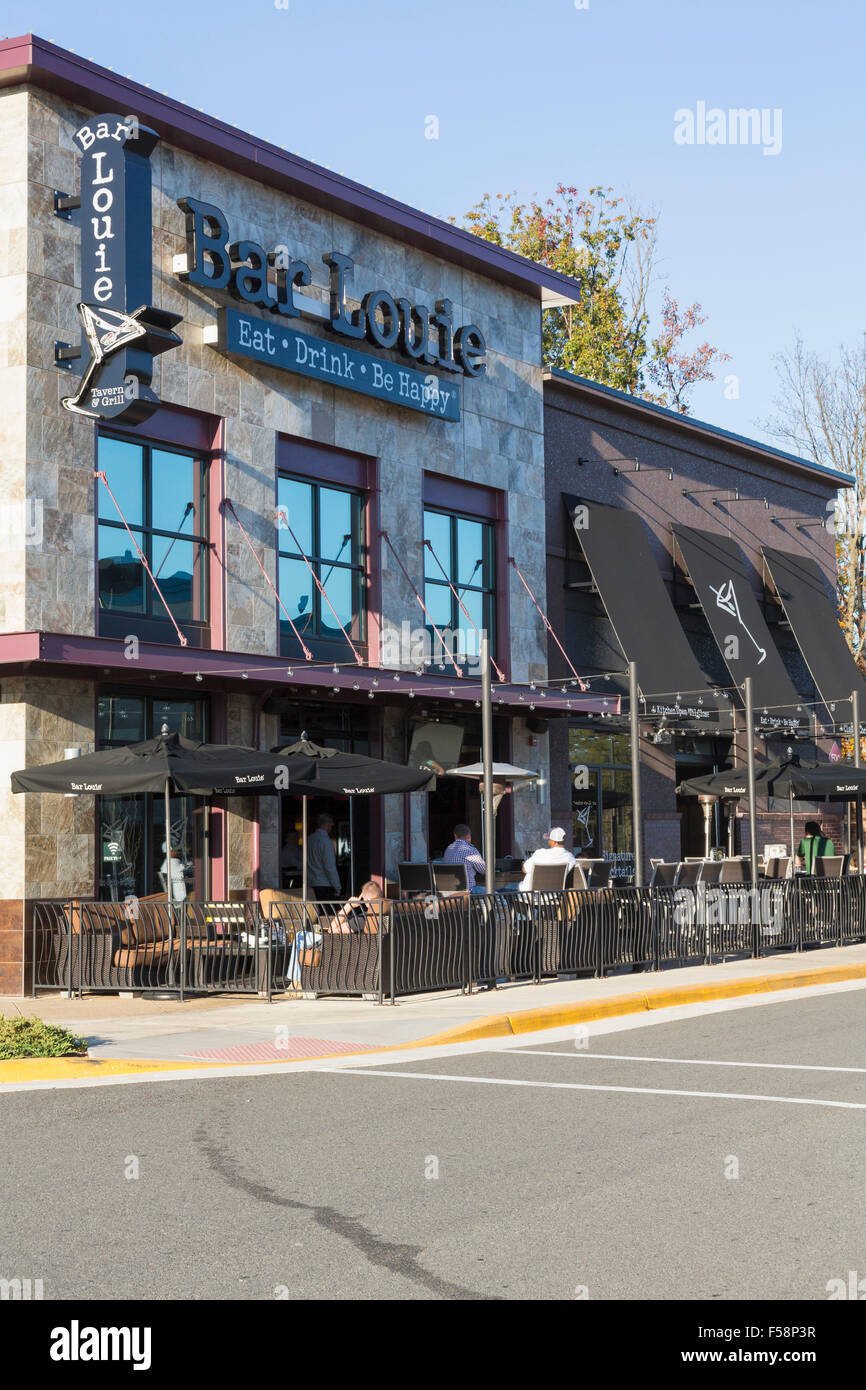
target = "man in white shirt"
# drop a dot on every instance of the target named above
(556, 853)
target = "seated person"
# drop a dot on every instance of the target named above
(554, 853)
(813, 846)
(462, 851)
(359, 914)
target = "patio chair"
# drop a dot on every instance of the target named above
(547, 878)
(596, 872)
(414, 879)
(449, 878)
(150, 940)
(736, 870)
(688, 873)
(831, 865)
(778, 868)
(664, 875)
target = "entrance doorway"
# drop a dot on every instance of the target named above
(357, 820)
(456, 800)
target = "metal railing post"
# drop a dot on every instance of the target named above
(69, 948)
(392, 958)
(598, 927)
(636, 813)
(182, 951)
(656, 934)
(380, 932)
(269, 927)
(855, 728)
(470, 943)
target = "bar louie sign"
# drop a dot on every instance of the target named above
(122, 330)
(270, 280)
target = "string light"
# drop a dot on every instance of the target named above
(289, 671)
(198, 675)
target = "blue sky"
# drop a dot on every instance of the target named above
(531, 94)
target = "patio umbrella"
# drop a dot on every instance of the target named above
(164, 764)
(331, 772)
(503, 773)
(804, 781)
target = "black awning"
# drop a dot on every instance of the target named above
(717, 569)
(810, 608)
(617, 548)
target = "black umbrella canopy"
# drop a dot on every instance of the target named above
(167, 761)
(347, 774)
(784, 777)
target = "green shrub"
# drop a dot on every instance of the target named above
(31, 1037)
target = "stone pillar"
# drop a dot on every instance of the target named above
(48, 840)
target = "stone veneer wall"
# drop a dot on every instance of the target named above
(498, 443)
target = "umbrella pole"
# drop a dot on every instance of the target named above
(791, 816)
(487, 758)
(750, 768)
(351, 847)
(169, 886)
(636, 810)
(304, 835)
(169, 890)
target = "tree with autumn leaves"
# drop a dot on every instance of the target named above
(609, 248)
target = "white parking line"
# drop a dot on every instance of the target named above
(578, 1086)
(583, 1054)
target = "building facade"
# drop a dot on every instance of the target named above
(662, 492)
(265, 528)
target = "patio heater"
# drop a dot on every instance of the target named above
(707, 803)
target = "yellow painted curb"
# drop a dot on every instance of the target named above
(74, 1068)
(491, 1026)
(561, 1015)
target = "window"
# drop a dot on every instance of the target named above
(131, 838)
(325, 524)
(161, 493)
(464, 549)
(600, 770)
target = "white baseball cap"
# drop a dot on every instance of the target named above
(557, 834)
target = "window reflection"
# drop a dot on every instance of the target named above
(161, 495)
(325, 527)
(459, 588)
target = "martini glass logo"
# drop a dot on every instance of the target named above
(107, 331)
(726, 599)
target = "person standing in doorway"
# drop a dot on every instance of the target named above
(322, 874)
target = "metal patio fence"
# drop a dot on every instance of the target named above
(388, 950)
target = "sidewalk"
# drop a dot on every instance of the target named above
(225, 1030)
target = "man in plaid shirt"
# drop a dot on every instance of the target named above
(462, 851)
